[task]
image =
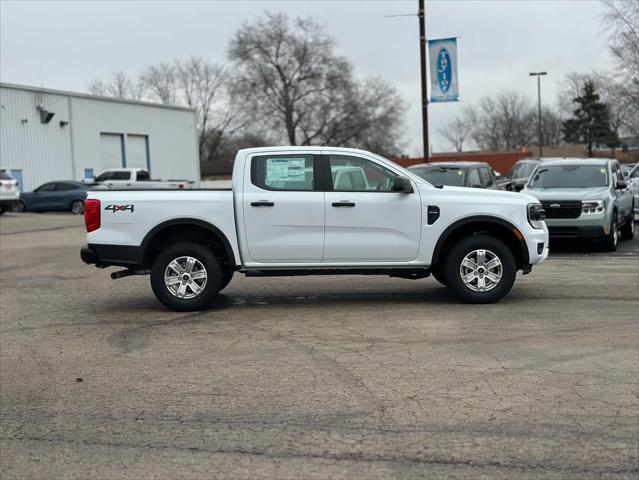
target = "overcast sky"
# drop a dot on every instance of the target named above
(66, 44)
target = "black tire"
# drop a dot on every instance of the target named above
(77, 207)
(494, 291)
(19, 207)
(2, 210)
(227, 276)
(628, 229)
(609, 242)
(439, 276)
(214, 277)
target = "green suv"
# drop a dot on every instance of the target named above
(584, 198)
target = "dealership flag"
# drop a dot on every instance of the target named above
(444, 84)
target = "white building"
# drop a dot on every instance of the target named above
(55, 135)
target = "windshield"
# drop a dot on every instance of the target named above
(522, 170)
(5, 176)
(451, 176)
(570, 176)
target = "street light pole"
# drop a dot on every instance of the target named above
(422, 54)
(538, 75)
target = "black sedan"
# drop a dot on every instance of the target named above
(62, 195)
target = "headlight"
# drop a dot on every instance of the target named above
(536, 215)
(590, 207)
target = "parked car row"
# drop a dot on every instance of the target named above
(582, 198)
(69, 195)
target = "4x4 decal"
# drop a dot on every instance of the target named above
(120, 208)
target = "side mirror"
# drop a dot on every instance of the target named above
(518, 187)
(402, 184)
(621, 185)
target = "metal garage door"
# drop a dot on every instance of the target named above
(136, 151)
(111, 151)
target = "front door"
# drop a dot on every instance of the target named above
(284, 209)
(366, 222)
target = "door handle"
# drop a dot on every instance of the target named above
(262, 203)
(343, 204)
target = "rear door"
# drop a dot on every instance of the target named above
(283, 208)
(365, 220)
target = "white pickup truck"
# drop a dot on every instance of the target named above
(316, 210)
(136, 178)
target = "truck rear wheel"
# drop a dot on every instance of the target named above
(186, 277)
(480, 269)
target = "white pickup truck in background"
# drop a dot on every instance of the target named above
(136, 178)
(316, 210)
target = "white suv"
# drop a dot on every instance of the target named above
(9, 192)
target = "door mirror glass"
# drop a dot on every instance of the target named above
(621, 185)
(518, 187)
(402, 184)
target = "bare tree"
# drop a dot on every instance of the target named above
(621, 22)
(120, 85)
(504, 122)
(161, 81)
(295, 80)
(459, 131)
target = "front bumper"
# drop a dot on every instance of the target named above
(576, 232)
(8, 202)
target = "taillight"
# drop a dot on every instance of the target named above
(92, 214)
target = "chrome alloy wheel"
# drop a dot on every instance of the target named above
(481, 270)
(185, 277)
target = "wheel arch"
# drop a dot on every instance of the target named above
(187, 229)
(478, 224)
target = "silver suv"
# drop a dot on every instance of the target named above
(584, 198)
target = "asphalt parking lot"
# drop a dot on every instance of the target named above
(314, 377)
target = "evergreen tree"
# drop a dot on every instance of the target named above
(590, 123)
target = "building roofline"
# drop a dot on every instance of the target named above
(88, 96)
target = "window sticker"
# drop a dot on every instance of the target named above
(285, 169)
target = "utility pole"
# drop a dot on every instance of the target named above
(422, 54)
(539, 131)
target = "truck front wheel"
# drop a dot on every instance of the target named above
(480, 269)
(186, 277)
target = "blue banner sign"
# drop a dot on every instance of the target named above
(444, 84)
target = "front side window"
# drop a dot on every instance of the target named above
(473, 178)
(355, 174)
(570, 176)
(635, 172)
(283, 172)
(486, 177)
(143, 175)
(47, 187)
(522, 170)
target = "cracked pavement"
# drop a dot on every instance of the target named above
(314, 377)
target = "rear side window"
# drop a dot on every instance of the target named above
(283, 172)
(61, 187)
